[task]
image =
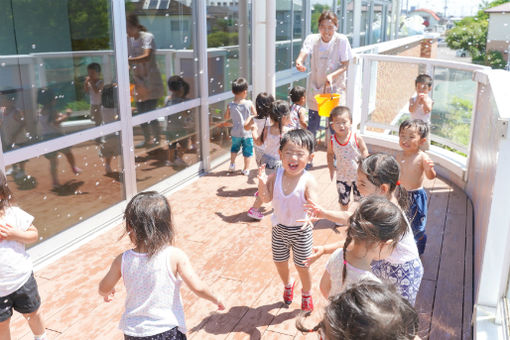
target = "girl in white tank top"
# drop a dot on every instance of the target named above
(152, 273)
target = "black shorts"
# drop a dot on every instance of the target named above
(25, 300)
(172, 334)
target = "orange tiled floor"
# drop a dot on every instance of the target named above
(229, 251)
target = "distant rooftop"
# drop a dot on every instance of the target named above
(499, 9)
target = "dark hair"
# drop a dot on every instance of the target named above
(239, 85)
(176, 83)
(376, 220)
(328, 15)
(279, 109)
(340, 111)
(263, 104)
(368, 310)
(132, 20)
(6, 199)
(45, 97)
(149, 221)
(423, 79)
(381, 168)
(421, 127)
(109, 96)
(299, 137)
(94, 66)
(296, 93)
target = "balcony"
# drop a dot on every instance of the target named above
(466, 261)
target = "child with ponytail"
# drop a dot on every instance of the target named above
(374, 230)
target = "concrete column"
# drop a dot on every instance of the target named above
(258, 69)
(356, 22)
(243, 38)
(270, 46)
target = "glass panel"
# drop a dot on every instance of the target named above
(229, 44)
(219, 129)
(176, 148)
(51, 189)
(376, 25)
(453, 94)
(162, 58)
(365, 9)
(283, 35)
(282, 92)
(53, 66)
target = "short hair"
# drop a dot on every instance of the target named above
(423, 79)
(175, 83)
(328, 15)
(299, 137)
(296, 93)
(421, 127)
(239, 85)
(94, 66)
(340, 111)
(264, 105)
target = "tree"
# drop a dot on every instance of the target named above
(316, 13)
(470, 34)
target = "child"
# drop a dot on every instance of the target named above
(270, 138)
(50, 121)
(263, 106)
(415, 164)
(378, 174)
(420, 105)
(12, 123)
(18, 288)
(367, 310)
(153, 311)
(374, 230)
(176, 129)
(298, 114)
(93, 85)
(239, 110)
(288, 189)
(111, 145)
(347, 147)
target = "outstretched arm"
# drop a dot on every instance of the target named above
(428, 167)
(299, 61)
(190, 277)
(266, 184)
(362, 147)
(107, 284)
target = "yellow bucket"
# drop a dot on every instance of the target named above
(326, 102)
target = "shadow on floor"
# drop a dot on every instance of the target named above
(248, 320)
(221, 192)
(69, 188)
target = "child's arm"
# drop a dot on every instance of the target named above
(265, 185)
(325, 284)
(427, 103)
(253, 110)
(412, 104)
(428, 167)
(257, 138)
(330, 156)
(9, 233)
(197, 286)
(316, 212)
(227, 114)
(107, 284)
(95, 88)
(318, 251)
(302, 118)
(362, 146)
(249, 124)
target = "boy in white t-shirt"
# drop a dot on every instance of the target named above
(18, 288)
(420, 105)
(93, 86)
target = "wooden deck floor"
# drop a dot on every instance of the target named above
(232, 254)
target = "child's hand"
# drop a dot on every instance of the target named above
(262, 175)
(109, 296)
(220, 304)
(430, 163)
(7, 232)
(314, 211)
(317, 252)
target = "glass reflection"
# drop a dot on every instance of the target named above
(220, 140)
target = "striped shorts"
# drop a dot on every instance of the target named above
(286, 238)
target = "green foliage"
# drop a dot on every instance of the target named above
(455, 124)
(80, 105)
(216, 39)
(495, 60)
(471, 34)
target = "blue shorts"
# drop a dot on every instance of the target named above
(418, 216)
(245, 142)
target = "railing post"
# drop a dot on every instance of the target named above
(354, 89)
(365, 99)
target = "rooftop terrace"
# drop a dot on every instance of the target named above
(232, 254)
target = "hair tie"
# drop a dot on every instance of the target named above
(345, 262)
(398, 183)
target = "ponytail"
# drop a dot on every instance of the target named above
(346, 244)
(402, 199)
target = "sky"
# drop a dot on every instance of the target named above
(455, 7)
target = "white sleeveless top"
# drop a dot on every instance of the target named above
(287, 209)
(406, 249)
(153, 302)
(347, 156)
(272, 144)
